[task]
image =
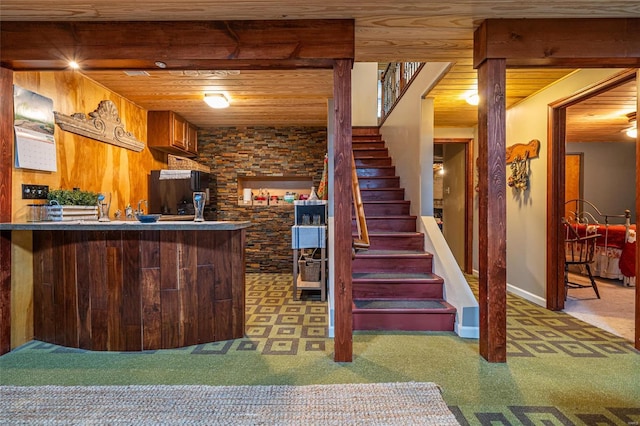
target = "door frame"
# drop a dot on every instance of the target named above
(557, 128)
(468, 196)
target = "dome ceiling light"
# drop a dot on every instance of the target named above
(473, 98)
(216, 100)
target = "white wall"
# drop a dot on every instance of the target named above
(401, 133)
(609, 175)
(527, 211)
(364, 94)
(454, 132)
(331, 224)
(408, 133)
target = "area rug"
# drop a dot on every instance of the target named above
(410, 403)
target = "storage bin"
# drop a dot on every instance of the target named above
(59, 213)
(309, 269)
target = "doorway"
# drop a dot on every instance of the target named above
(559, 191)
(452, 204)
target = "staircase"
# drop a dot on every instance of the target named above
(394, 287)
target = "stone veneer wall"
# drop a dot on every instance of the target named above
(261, 151)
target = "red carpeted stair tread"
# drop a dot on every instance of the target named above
(387, 276)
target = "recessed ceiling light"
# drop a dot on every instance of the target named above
(137, 73)
(74, 65)
(216, 100)
(160, 64)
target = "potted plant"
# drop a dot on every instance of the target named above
(72, 204)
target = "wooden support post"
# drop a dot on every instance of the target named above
(492, 209)
(343, 341)
(565, 43)
(6, 157)
(555, 191)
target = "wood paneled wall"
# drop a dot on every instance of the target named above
(83, 162)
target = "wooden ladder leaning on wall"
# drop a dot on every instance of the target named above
(362, 242)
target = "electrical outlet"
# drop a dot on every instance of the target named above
(34, 192)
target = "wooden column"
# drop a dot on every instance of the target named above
(343, 341)
(6, 156)
(555, 191)
(492, 209)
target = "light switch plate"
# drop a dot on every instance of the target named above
(34, 192)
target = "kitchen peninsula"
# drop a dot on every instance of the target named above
(129, 286)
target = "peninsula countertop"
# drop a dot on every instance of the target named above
(131, 286)
(94, 225)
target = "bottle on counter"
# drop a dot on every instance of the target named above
(313, 195)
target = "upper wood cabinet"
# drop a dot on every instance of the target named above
(192, 139)
(169, 132)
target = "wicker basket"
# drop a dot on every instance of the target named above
(309, 269)
(180, 163)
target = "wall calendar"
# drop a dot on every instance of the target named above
(35, 145)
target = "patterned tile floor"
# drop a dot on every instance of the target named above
(278, 325)
(535, 331)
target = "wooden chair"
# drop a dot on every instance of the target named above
(579, 250)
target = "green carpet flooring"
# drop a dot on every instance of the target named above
(560, 371)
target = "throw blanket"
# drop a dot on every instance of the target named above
(399, 404)
(614, 234)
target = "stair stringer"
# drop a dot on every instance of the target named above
(456, 288)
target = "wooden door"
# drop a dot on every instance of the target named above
(573, 180)
(454, 200)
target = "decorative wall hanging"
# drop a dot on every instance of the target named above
(104, 125)
(519, 178)
(532, 149)
(518, 156)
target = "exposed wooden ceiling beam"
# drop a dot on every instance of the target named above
(180, 45)
(553, 42)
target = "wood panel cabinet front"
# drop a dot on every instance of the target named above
(138, 290)
(179, 132)
(192, 139)
(169, 132)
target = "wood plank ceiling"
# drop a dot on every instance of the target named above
(385, 32)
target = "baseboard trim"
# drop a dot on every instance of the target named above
(526, 295)
(522, 293)
(467, 332)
